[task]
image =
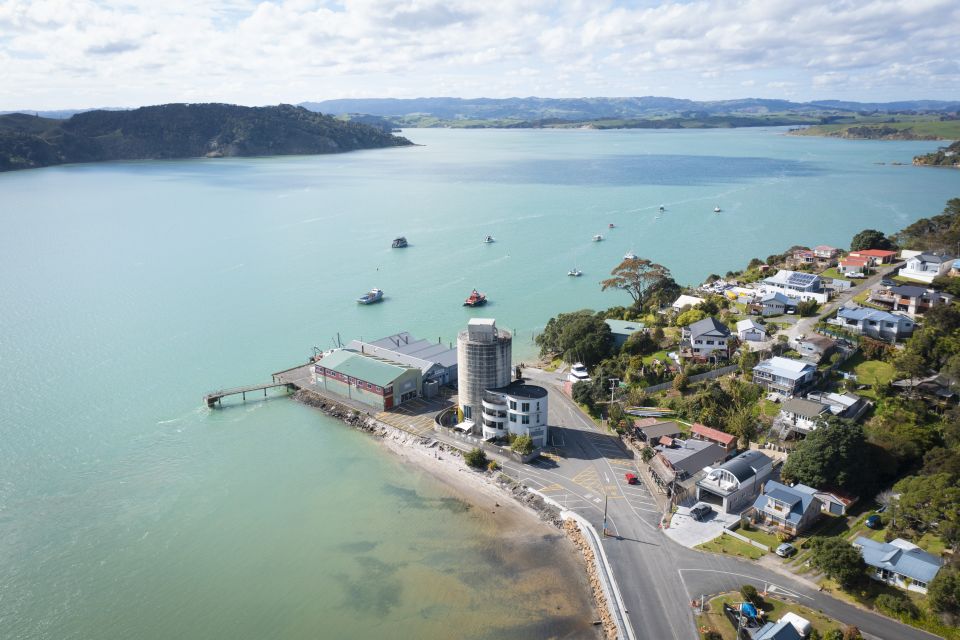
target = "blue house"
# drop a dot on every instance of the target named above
(790, 509)
(899, 563)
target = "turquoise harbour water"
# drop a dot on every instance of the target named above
(127, 290)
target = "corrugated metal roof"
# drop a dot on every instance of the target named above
(914, 563)
(372, 370)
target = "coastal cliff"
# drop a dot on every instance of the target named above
(942, 157)
(175, 131)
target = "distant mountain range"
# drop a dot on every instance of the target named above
(180, 131)
(583, 109)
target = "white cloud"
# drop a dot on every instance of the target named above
(74, 53)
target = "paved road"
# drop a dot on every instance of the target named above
(658, 578)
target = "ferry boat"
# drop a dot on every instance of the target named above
(488, 240)
(597, 238)
(575, 273)
(399, 243)
(476, 299)
(375, 295)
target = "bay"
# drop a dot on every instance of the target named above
(130, 289)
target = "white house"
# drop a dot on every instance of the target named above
(846, 405)
(686, 301)
(706, 339)
(517, 409)
(926, 266)
(775, 303)
(796, 284)
(899, 563)
(800, 416)
(734, 484)
(784, 375)
(882, 325)
(749, 330)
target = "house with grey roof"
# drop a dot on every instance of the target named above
(781, 630)
(784, 375)
(776, 303)
(844, 405)
(799, 416)
(899, 563)
(784, 508)
(622, 330)
(815, 347)
(749, 331)
(926, 266)
(734, 484)
(911, 299)
(653, 430)
(882, 325)
(682, 460)
(796, 284)
(706, 340)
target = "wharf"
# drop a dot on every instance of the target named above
(214, 398)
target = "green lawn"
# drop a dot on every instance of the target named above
(659, 355)
(769, 408)
(760, 536)
(773, 609)
(731, 546)
(833, 273)
(872, 372)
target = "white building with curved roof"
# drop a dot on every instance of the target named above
(736, 483)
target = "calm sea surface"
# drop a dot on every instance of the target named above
(127, 290)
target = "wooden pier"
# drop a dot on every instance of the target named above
(213, 399)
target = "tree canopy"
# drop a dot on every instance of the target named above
(834, 455)
(636, 276)
(940, 232)
(838, 560)
(870, 239)
(579, 336)
(927, 502)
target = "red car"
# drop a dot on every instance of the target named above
(631, 479)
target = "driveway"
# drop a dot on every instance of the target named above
(686, 530)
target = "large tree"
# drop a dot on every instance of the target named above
(834, 455)
(636, 276)
(927, 502)
(944, 591)
(579, 336)
(870, 239)
(939, 233)
(838, 560)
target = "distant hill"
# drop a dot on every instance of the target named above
(180, 131)
(586, 109)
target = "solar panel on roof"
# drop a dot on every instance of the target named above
(801, 279)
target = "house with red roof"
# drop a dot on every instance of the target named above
(878, 256)
(855, 264)
(702, 432)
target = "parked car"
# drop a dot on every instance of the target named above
(881, 508)
(874, 522)
(887, 282)
(856, 275)
(701, 510)
(631, 479)
(578, 373)
(785, 550)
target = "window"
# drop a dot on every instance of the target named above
(525, 420)
(709, 341)
(513, 417)
(513, 404)
(525, 406)
(538, 405)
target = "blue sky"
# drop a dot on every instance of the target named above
(83, 53)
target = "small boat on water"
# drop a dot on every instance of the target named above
(662, 208)
(630, 255)
(716, 209)
(488, 240)
(597, 238)
(375, 295)
(611, 226)
(399, 243)
(575, 273)
(475, 299)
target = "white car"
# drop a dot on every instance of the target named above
(578, 373)
(856, 275)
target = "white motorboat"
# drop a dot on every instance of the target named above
(597, 238)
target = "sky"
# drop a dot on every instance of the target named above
(62, 54)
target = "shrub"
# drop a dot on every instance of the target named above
(712, 634)
(647, 454)
(522, 445)
(750, 594)
(476, 458)
(897, 605)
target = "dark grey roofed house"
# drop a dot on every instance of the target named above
(653, 432)
(736, 482)
(705, 339)
(815, 347)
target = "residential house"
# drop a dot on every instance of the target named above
(749, 331)
(909, 298)
(775, 304)
(707, 339)
(784, 375)
(801, 257)
(882, 325)
(796, 284)
(835, 502)
(702, 432)
(935, 387)
(876, 256)
(652, 431)
(685, 301)
(734, 484)
(789, 509)
(825, 252)
(682, 460)
(781, 630)
(815, 347)
(844, 405)
(899, 563)
(854, 265)
(800, 416)
(926, 266)
(622, 330)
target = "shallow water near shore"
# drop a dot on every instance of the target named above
(130, 289)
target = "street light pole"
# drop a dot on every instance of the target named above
(604, 516)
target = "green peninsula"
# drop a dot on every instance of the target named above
(180, 131)
(942, 157)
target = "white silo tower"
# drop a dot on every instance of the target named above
(483, 362)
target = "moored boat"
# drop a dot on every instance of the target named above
(575, 273)
(662, 208)
(597, 238)
(716, 209)
(488, 240)
(475, 299)
(374, 295)
(611, 226)
(630, 255)
(399, 243)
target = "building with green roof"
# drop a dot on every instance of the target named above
(622, 330)
(377, 382)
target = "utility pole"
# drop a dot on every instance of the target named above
(604, 515)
